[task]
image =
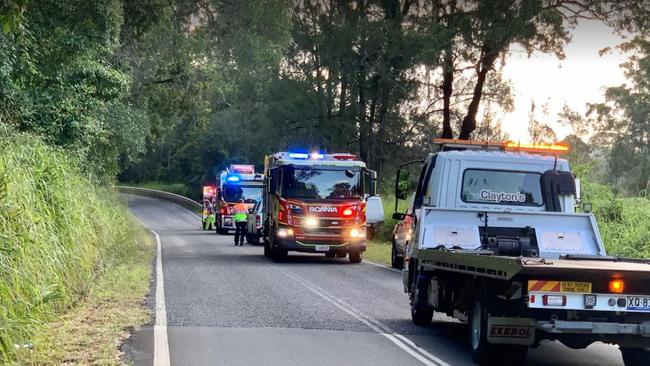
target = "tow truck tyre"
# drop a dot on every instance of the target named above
(421, 313)
(396, 261)
(636, 356)
(483, 352)
(355, 256)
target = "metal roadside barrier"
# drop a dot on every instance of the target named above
(178, 199)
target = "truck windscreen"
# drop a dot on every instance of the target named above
(310, 183)
(232, 193)
(502, 187)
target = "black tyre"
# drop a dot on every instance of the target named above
(421, 312)
(255, 239)
(267, 250)
(483, 352)
(636, 356)
(396, 261)
(355, 256)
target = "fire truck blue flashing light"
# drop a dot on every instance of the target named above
(305, 156)
(233, 178)
(299, 155)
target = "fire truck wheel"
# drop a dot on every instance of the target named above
(483, 352)
(355, 256)
(635, 356)
(267, 250)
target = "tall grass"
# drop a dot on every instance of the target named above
(55, 228)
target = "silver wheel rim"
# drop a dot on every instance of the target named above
(476, 325)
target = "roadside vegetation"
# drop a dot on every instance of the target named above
(70, 256)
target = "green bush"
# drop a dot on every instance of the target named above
(55, 229)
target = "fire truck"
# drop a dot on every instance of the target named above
(235, 183)
(318, 203)
(497, 242)
(208, 207)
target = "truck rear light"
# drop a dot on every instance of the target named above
(554, 300)
(347, 212)
(616, 286)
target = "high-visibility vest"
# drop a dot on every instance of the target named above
(241, 211)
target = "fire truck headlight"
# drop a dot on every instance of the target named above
(310, 222)
(357, 233)
(283, 233)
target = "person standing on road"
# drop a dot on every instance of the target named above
(241, 211)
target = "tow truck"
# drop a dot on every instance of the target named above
(318, 203)
(236, 182)
(497, 242)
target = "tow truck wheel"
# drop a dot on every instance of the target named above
(483, 352)
(421, 313)
(355, 256)
(636, 356)
(395, 260)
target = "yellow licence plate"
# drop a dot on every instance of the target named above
(569, 286)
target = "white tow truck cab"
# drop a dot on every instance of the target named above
(497, 242)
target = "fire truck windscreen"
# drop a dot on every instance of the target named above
(317, 183)
(232, 193)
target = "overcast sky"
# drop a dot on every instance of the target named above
(578, 79)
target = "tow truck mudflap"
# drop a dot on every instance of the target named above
(503, 330)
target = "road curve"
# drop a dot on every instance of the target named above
(229, 305)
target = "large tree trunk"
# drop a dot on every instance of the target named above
(447, 89)
(469, 122)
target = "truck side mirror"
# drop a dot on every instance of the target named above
(399, 216)
(403, 184)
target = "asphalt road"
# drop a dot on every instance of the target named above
(230, 305)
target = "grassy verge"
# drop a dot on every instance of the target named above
(63, 240)
(91, 331)
(378, 252)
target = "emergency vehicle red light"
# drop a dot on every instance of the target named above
(208, 190)
(344, 157)
(347, 212)
(242, 169)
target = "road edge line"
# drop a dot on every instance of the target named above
(382, 266)
(160, 338)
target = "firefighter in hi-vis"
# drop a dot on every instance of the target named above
(240, 216)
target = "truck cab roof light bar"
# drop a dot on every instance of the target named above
(453, 144)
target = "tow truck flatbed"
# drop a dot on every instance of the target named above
(484, 263)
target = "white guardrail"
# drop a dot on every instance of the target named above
(178, 199)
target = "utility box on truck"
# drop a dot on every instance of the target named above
(497, 242)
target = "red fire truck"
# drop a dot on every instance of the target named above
(318, 203)
(235, 183)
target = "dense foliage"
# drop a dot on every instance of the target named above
(56, 230)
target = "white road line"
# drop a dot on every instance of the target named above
(382, 266)
(380, 328)
(161, 342)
